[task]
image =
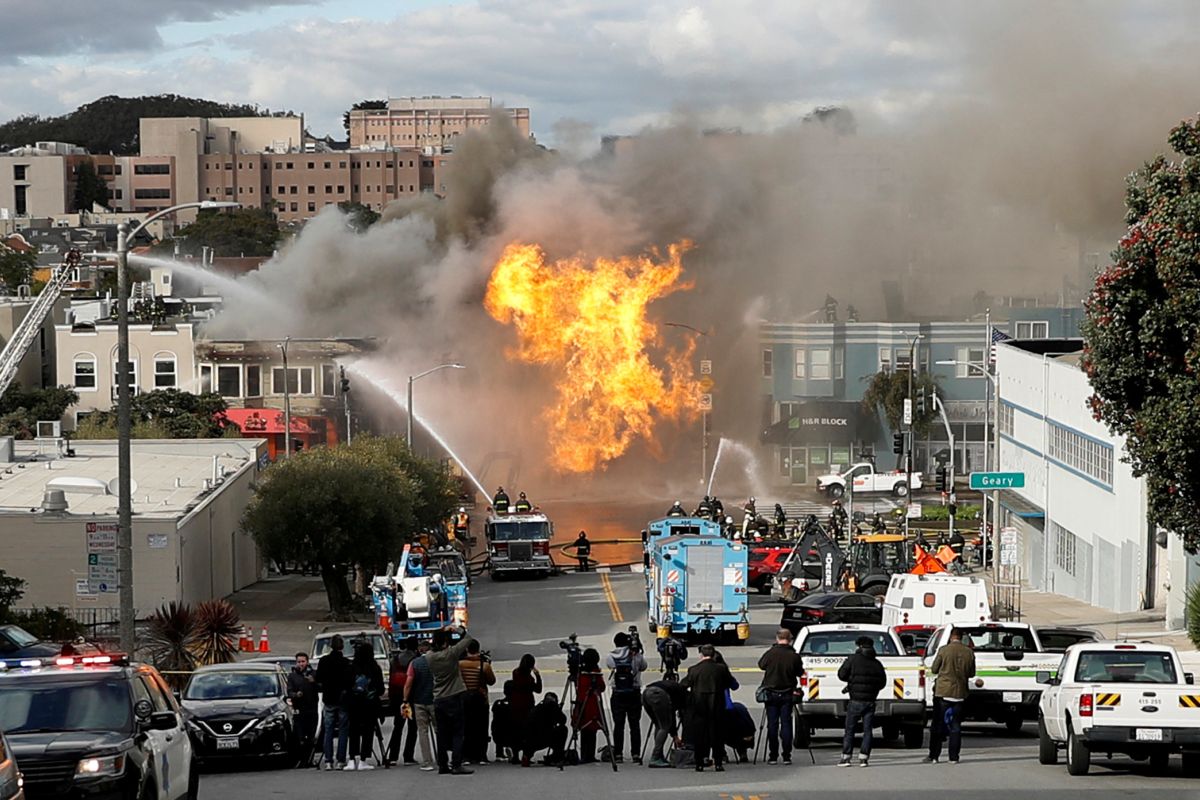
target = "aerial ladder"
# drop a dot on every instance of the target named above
(25, 334)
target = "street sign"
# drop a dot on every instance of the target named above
(705, 367)
(706, 402)
(914, 511)
(157, 541)
(908, 411)
(1008, 546)
(990, 481)
(707, 384)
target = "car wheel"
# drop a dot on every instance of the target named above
(1047, 748)
(890, 731)
(1014, 724)
(837, 491)
(764, 584)
(148, 791)
(1079, 759)
(900, 489)
(914, 736)
(1160, 761)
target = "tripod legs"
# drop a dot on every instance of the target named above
(762, 724)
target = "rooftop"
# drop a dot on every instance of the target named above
(169, 475)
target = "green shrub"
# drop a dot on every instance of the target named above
(48, 624)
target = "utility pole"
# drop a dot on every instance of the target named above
(912, 364)
(287, 400)
(345, 384)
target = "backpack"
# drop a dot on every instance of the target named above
(362, 686)
(624, 679)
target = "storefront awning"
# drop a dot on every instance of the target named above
(822, 422)
(266, 420)
(1018, 505)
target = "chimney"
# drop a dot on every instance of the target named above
(54, 501)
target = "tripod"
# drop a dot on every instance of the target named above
(798, 724)
(578, 710)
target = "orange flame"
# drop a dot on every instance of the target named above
(589, 321)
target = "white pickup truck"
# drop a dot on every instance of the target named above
(1008, 657)
(900, 707)
(865, 478)
(1118, 697)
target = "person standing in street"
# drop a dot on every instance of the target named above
(449, 691)
(782, 668)
(664, 701)
(362, 707)
(625, 675)
(953, 667)
(403, 727)
(418, 705)
(588, 710)
(706, 682)
(334, 676)
(583, 551)
(477, 675)
(526, 682)
(865, 678)
(302, 692)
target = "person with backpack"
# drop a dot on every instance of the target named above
(402, 727)
(477, 674)
(334, 676)
(365, 690)
(418, 703)
(626, 666)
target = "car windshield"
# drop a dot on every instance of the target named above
(1058, 641)
(997, 640)
(322, 646)
(19, 636)
(225, 685)
(1124, 666)
(64, 705)
(842, 643)
(507, 531)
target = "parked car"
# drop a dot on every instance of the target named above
(1056, 640)
(16, 642)
(830, 608)
(915, 638)
(238, 711)
(12, 785)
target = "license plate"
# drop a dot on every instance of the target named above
(227, 744)
(1148, 735)
(1011, 697)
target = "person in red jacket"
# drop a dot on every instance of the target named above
(587, 713)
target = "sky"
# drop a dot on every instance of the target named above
(596, 66)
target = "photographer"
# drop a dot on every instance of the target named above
(547, 730)
(664, 702)
(782, 668)
(673, 653)
(477, 675)
(526, 682)
(626, 664)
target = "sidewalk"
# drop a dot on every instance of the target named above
(293, 608)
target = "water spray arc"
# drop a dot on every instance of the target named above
(398, 397)
(754, 481)
(716, 463)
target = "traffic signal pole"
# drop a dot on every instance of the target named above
(937, 403)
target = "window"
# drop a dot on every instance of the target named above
(1065, 546)
(151, 169)
(801, 363)
(328, 189)
(85, 372)
(229, 380)
(295, 207)
(1033, 330)
(152, 194)
(839, 363)
(328, 381)
(282, 190)
(132, 377)
(820, 365)
(312, 206)
(341, 190)
(205, 378)
(19, 172)
(960, 601)
(1080, 452)
(299, 380)
(965, 356)
(165, 376)
(1006, 419)
(903, 359)
(253, 380)
(767, 365)
(312, 190)
(294, 190)
(885, 359)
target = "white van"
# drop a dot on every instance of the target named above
(935, 600)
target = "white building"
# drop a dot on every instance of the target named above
(1082, 516)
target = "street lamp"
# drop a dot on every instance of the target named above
(912, 353)
(127, 627)
(704, 417)
(992, 458)
(411, 380)
(287, 400)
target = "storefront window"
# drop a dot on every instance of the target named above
(840, 455)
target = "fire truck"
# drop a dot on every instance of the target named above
(696, 586)
(519, 544)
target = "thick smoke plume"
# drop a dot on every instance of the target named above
(1005, 179)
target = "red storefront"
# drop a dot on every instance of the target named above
(267, 423)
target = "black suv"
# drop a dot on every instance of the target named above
(96, 727)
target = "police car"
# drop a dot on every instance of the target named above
(95, 726)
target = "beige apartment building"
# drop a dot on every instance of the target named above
(41, 183)
(429, 124)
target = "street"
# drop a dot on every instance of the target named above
(515, 617)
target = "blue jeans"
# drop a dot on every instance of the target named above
(779, 721)
(857, 710)
(335, 721)
(945, 725)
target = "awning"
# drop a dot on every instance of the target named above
(266, 420)
(1018, 505)
(823, 422)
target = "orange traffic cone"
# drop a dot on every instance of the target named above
(246, 641)
(264, 644)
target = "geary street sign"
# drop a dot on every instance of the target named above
(987, 481)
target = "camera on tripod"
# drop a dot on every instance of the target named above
(574, 655)
(673, 653)
(635, 641)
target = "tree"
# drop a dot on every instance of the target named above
(16, 268)
(355, 504)
(885, 395)
(12, 589)
(21, 408)
(89, 187)
(362, 105)
(358, 216)
(1142, 334)
(239, 232)
(165, 414)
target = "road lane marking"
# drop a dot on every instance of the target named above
(613, 605)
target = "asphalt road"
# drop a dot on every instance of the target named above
(515, 617)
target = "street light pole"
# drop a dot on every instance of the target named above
(413, 379)
(287, 400)
(127, 627)
(912, 349)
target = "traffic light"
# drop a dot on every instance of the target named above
(941, 479)
(898, 442)
(921, 399)
(345, 381)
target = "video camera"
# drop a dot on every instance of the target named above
(574, 655)
(635, 641)
(673, 653)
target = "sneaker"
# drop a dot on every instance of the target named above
(863, 761)
(954, 762)
(428, 768)
(341, 765)
(362, 765)
(787, 761)
(772, 762)
(462, 771)
(845, 762)
(327, 766)
(620, 759)
(929, 760)
(410, 762)
(659, 763)
(636, 760)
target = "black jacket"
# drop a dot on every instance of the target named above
(674, 690)
(781, 666)
(863, 675)
(334, 676)
(706, 683)
(302, 690)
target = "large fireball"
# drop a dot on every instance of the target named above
(587, 321)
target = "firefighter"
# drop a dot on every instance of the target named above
(838, 519)
(751, 508)
(677, 510)
(523, 504)
(877, 524)
(462, 524)
(704, 510)
(780, 520)
(583, 551)
(718, 509)
(500, 501)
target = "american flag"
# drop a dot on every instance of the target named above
(997, 336)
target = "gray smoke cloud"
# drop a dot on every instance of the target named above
(1008, 180)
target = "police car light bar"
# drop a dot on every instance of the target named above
(108, 659)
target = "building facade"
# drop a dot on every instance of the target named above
(428, 124)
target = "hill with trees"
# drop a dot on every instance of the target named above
(110, 124)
